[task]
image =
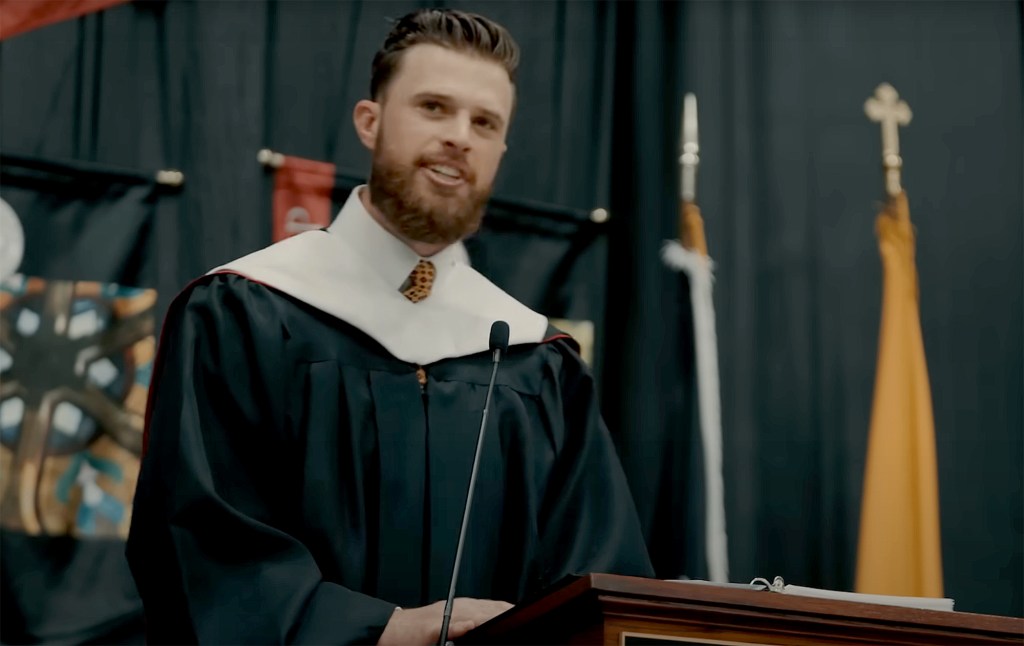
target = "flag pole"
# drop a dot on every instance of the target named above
(690, 255)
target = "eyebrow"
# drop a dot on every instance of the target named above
(446, 98)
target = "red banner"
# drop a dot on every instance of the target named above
(302, 196)
(24, 15)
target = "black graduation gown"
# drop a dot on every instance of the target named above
(299, 483)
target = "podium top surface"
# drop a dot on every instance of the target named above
(582, 604)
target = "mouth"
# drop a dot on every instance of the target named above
(448, 175)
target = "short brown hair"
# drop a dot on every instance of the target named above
(450, 28)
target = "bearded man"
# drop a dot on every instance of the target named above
(315, 404)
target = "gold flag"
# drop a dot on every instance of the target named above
(899, 549)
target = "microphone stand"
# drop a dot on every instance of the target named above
(496, 357)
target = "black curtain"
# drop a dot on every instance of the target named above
(650, 397)
(789, 184)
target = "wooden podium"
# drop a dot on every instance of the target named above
(628, 611)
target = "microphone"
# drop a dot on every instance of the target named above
(499, 346)
(498, 343)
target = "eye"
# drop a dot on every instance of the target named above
(432, 107)
(484, 122)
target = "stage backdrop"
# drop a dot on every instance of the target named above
(789, 184)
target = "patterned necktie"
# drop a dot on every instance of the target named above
(417, 286)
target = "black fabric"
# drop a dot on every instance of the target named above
(304, 502)
(651, 385)
(552, 265)
(60, 590)
(82, 223)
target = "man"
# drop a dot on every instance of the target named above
(315, 404)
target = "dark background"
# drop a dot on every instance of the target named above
(790, 182)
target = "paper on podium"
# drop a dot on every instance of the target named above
(780, 586)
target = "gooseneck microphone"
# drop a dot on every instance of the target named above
(499, 346)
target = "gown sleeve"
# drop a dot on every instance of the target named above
(213, 543)
(588, 519)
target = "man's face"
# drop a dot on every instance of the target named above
(439, 139)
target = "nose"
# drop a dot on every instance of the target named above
(457, 135)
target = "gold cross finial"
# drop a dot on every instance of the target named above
(887, 108)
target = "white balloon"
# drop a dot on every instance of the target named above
(12, 241)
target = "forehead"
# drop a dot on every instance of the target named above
(466, 77)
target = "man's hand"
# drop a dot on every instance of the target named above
(423, 625)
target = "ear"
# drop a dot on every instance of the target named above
(366, 119)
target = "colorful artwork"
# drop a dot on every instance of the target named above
(75, 365)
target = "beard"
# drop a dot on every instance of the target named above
(424, 214)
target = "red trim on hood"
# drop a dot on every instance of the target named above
(556, 337)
